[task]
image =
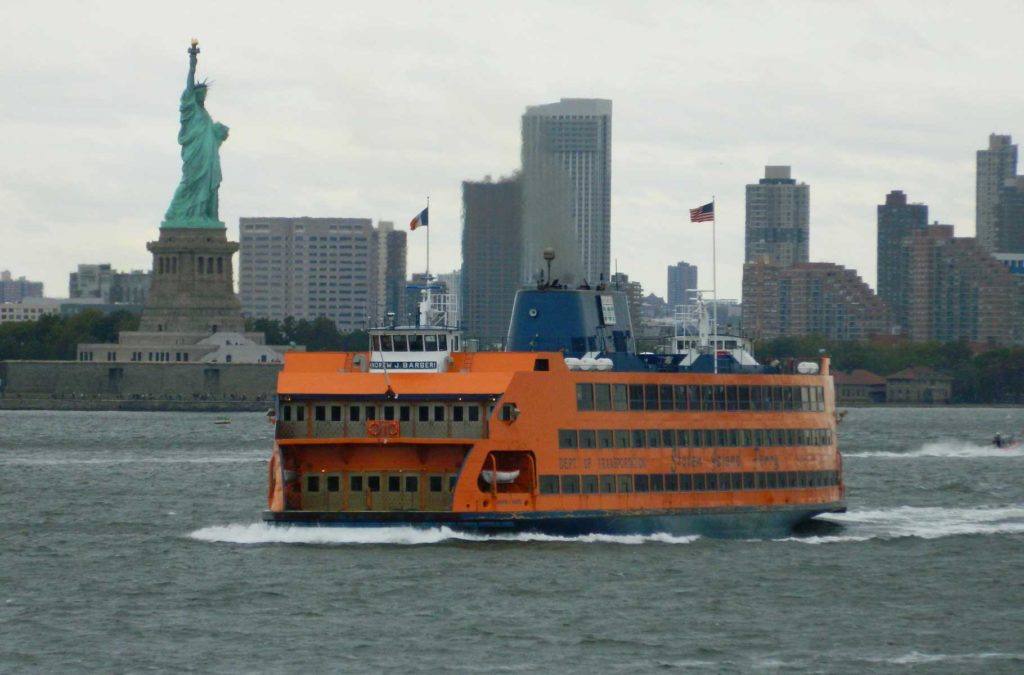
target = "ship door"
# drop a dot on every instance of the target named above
(312, 492)
(356, 492)
(332, 496)
(439, 491)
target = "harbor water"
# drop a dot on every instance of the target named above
(131, 542)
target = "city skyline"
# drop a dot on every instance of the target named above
(859, 100)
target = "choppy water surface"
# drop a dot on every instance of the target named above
(131, 542)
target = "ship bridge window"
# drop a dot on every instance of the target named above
(386, 343)
(375, 343)
(455, 343)
(584, 396)
(430, 343)
(401, 344)
(602, 396)
(416, 343)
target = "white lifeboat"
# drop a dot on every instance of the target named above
(500, 477)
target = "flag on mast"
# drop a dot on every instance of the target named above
(703, 214)
(421, 220)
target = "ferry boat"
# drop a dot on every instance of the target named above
(571, 431)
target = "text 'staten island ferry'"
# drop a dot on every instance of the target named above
(571, 431)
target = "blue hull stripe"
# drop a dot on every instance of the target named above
(718, 522)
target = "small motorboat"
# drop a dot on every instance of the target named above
(1008, 442)
(500, 477)
(222, 420)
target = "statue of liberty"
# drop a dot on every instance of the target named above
(195, 201)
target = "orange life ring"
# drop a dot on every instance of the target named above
(393, 428)
(373, 427)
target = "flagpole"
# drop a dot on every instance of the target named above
(714, 278)
(428, 240)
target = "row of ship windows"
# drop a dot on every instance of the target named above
(401, 413)
(360, 483)
(691, 438)
(697, 397)
(685, 482)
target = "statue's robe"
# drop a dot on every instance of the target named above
(195, 200)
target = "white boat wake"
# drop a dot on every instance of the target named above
(261, 533)
(949, 448)
(922, 522)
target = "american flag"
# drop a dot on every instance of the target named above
(703, 213)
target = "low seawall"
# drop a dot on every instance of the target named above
(78, 385)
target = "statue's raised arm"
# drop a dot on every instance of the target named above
(193, 59)
(195, 202)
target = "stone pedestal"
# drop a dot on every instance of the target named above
(192, 289)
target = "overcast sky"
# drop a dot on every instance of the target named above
(362, 109)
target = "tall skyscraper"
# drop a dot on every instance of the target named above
(682, 280)
(311, 267)
(1010, 216)
(492, 232)
(567, 176)
(995, 166)
(778, 218)
(896, 220)
(391, 248)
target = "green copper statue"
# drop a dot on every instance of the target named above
(195, 201)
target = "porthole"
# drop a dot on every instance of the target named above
(533, 312)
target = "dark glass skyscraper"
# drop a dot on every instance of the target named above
(491, 250)
(896, 220)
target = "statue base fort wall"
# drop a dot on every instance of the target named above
(77, 385)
